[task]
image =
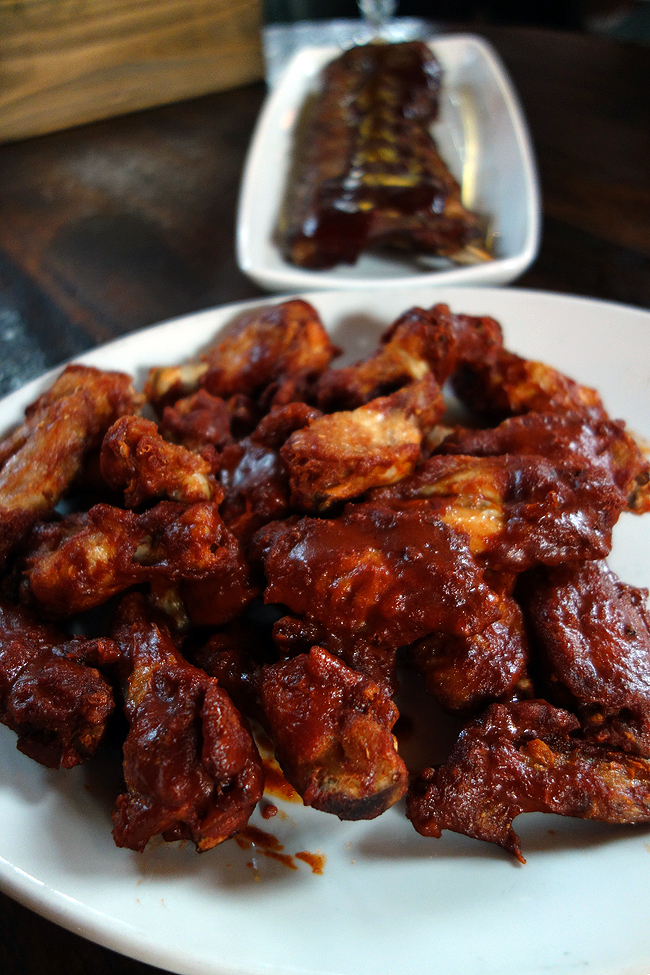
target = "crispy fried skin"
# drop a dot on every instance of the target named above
(419, 341)
(523, 758)
(191, 768)
(517, 511)
(366, 169)
(369, 575)
(117, 548)
(41, 459)
(465, 673)
(340, 455)
(134, 456)
(593, 634)
(50, 696)
(332, 732)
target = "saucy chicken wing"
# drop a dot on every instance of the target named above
(593, 634)
(273, 352)
(135, 457)
(191, 768)
(370, 574)
(113, 548)
(51, 695)
(340, 455)
(523, 758)
(41, 459)
(560, 437)
(332, 732)
(516, 511)
(420, 341)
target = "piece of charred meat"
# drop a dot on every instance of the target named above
(191, 768)
(332, 732)
(366, 170)
(524, 758)
(51, 692)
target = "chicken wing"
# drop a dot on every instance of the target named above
(560, 437)
(523, 758)
(332, 732)
(420, 341)
(593, 634)
(340, 455)
(516, 511)
(50, 695)
(369, 575)
(114, 548)
(42, 458)
(273, 352)
(135, 457)
(191, 768)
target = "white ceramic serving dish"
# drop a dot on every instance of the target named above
(388, 900)
(482, 135)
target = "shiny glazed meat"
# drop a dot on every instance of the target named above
(286, 538)
(366, 169)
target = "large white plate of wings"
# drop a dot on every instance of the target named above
(365, 897)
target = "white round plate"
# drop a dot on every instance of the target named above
(387, 900)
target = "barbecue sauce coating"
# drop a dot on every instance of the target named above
(593, 635)
(50, 696)
(467, 672)
(191, 768)
(523, 758)
(516, 511)
(331, 727)
(366, 169)
(385, 576)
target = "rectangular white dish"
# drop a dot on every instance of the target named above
(481, 134)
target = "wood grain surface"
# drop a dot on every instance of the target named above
(65, 62)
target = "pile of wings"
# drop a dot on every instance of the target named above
(261, 540)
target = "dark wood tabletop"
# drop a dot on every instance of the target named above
(116, 225)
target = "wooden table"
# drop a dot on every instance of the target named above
(119, 224)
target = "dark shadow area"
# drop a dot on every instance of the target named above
(626, 20)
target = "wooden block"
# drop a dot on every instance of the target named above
(66, 62)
